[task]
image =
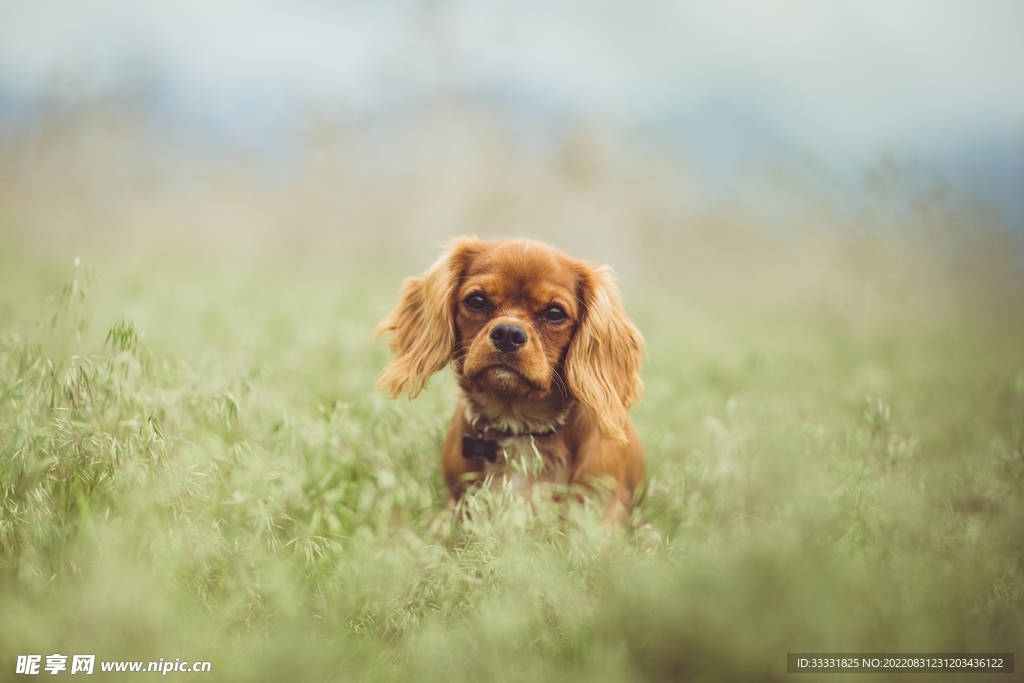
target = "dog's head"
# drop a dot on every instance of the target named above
(522, 321)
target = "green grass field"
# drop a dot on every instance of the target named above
(193, 465)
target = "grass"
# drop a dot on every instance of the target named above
(193, 464)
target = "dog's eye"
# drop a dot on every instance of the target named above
(554, 314)
(476, 302)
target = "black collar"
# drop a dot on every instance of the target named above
(485, 443)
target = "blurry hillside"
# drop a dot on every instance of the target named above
(105, 181)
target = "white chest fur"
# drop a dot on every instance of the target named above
(527, 460)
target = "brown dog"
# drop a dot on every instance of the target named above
(547, 361)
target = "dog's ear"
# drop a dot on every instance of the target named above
(422, 324)
(602, 364)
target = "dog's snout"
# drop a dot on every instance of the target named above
(508, 338)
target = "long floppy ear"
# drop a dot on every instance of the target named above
(602, 365)
(422, 325)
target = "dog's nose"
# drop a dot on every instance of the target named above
(508, 338)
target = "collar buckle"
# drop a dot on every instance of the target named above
(479, 447)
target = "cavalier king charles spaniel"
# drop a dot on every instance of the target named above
(547, 362)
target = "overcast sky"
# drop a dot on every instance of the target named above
(841, 79)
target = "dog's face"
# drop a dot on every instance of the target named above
(515, 313)
(521, 321)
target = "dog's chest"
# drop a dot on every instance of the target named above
(527, 460)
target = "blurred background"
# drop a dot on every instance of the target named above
(816, 211)
(631, 134)
(856, 160)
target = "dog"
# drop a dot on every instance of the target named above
(547, 362)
